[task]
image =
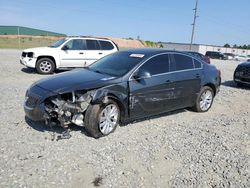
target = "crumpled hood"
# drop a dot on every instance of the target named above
(78, 79)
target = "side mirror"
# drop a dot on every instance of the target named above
(65, 47)
(141, 74)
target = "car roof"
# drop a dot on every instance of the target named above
(192, 52)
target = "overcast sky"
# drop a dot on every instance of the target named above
(219, 21)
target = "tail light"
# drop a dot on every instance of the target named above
(219, 72)
(208, 60)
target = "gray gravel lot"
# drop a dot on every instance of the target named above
(180, 149)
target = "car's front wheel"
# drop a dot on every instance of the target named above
(45, 66)
(102, 119)
(204, 100)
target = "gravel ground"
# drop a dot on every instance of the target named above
(179, 149)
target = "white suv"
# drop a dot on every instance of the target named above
(67, 53)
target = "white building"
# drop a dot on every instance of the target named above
(202, 48)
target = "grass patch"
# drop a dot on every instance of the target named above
(25, 42)
(150, 44)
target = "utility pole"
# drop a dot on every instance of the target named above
(193, 24)
(18, 33)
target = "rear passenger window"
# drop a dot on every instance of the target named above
(183, 62)
(157, 65)
(92, 45)
(197, 64)
(197, 56)
(106, 45)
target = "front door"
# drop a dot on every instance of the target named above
(155, 94)
(74, 55)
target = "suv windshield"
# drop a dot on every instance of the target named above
(57, 43)
(117, 64)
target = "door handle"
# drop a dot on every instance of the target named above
(81, 53)
(168, 81)
(197, 76)
(100, 53)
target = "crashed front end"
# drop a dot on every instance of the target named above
(53, 108)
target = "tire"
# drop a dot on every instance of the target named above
(45, 66)
(207, 103)
(95, 120)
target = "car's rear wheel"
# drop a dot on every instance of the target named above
(204, 100)
(45, 66)
(102, 119)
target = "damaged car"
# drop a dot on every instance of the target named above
(242, 74)
(123, 87)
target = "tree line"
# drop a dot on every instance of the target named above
(246, 47)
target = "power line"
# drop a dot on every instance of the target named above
(193, 24)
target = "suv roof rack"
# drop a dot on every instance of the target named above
(90, 36)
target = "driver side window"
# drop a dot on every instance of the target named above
(157, 65)
(76, 44)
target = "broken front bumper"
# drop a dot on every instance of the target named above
(36, 114)
(34, 107)
(28, 62)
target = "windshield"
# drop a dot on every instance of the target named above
(57, 43)
(117, 64)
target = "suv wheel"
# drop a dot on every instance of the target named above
(102, 119)
(204, 100)
(45, 66)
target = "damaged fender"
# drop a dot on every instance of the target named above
(70, 107)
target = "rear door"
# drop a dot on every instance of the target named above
(93, 52)
(188, 73)
(153, 95)
(74, 56)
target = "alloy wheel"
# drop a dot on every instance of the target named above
(108, 119)
(45, 66)
(206, 100)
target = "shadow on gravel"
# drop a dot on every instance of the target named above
(33, 71)
(232, 84)
(28, 70)
(42, 127)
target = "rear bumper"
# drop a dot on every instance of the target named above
(217, 85)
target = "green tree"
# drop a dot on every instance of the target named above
(244, 46)
(227, 45)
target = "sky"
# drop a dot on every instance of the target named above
(219, 21)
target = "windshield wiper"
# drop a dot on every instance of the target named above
(97, 71)
(100, 72)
